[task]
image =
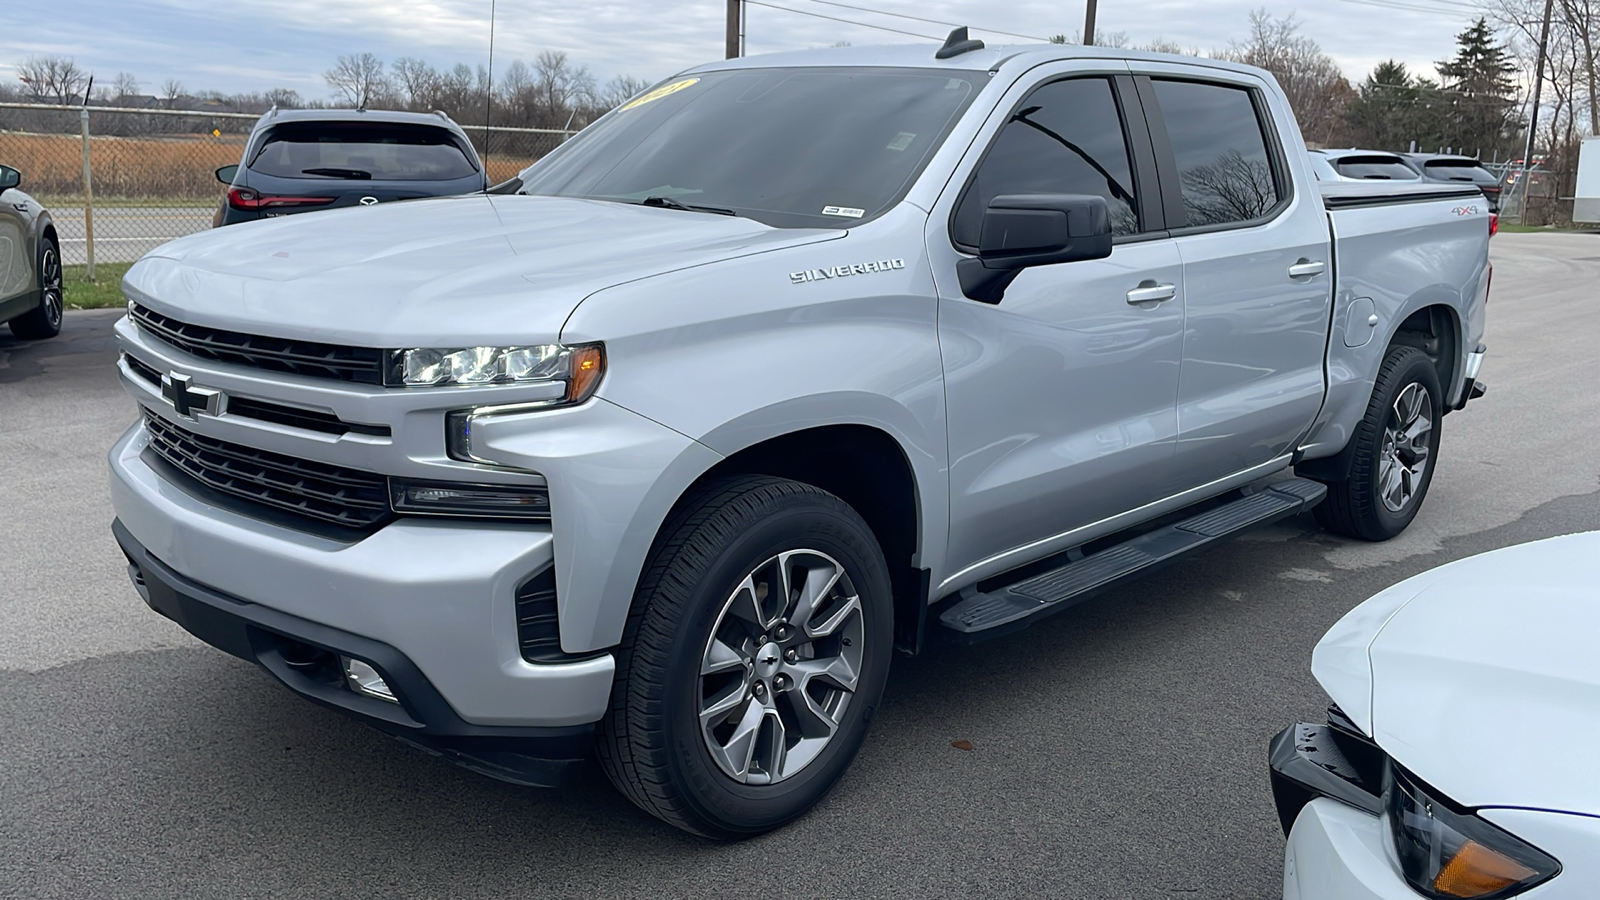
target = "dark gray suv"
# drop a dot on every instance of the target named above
(309, 159)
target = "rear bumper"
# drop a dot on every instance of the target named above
(304, 655)
(1471, 387)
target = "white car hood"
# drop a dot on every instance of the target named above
(1483, 676)
(436, 272)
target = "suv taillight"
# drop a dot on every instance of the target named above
(247, 199)
(1494, 224)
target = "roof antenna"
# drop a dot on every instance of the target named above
(958, 43)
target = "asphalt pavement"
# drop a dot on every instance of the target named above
(1118, 750)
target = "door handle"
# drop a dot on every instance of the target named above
(1150, 292)
(1306, 268)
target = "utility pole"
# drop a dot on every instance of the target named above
(1533, 112)
(1088, 25)
(735, 29)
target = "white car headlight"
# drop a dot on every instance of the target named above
(579, 366)
(1445, 852)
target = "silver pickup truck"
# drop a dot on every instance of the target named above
(667, 446)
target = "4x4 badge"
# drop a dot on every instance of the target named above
(188, 400)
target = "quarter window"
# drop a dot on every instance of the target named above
(1066, 138)
(1224, 168)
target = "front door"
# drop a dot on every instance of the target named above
(1061, 397)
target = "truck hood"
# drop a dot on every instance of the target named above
(440, 272)
(1481, 677)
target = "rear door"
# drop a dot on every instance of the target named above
(1257, 269)
(16, 268)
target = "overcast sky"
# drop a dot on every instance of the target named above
(255, 45)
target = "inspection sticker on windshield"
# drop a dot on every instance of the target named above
(902, 140)
(849, 212)
(658, 93)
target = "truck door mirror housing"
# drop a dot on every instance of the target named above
(226, 173)
(1021, 231)
(9, 178)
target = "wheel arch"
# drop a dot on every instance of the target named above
(867, 468)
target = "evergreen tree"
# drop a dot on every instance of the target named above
(1483, 95)
(1392, 108)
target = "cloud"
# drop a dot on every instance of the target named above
(254, 45)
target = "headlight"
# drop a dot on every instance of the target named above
(1444, 852)
(449, 498)
(579, 367)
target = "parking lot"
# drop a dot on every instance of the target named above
(1118, 750)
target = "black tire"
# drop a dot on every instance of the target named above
(651, 743)
(1356, 506)
(44, 320)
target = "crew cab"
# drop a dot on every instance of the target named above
(788, 363)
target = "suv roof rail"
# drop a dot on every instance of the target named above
(444, 115)
(957, 43)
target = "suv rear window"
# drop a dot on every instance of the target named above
(382, 151)
(1382, 168)
(1461, 170)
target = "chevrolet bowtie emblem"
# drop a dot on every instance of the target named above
(188, 400)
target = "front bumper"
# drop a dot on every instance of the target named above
(441, 594)
(305, 656)
(1336, 852)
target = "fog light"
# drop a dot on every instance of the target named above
(364, 679)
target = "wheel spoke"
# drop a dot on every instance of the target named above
(720, 657)
(813, 719)
(834, 670)
(1393, 486)
(813, 594)
(715, 711)
(740, 749)
(773, 745)
(848, 607)
(746, 603)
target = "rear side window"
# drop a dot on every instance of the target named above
(1066, 138)
(361, 151)
(1461, 170)
(1380, 168)
(1224, 168)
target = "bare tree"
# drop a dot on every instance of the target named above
(171, 90)
(125, 85)
(620, 90)
(1316, 88)
(417, 82)
(360, 79)
(284, 98)
(52, 79)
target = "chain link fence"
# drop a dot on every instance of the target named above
(121, 182)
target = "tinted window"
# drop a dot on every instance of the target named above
(1380, 168)
(823, 147)
(1066, 138)
(361, 151)
(1461, 170)
(1223, 165)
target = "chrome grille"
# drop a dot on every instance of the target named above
(348, 497)
(362, 365)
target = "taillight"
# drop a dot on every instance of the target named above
(247, 199)
(1494, 224)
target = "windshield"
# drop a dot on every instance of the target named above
(793, 148)
(362, 151)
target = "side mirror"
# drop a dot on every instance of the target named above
(226, 173)
(9, 178)
(1021, 231)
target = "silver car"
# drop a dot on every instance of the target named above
(1362, 165)
(30, 263)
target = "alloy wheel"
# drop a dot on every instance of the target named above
(50, 285)
(1407, 438)
(781, 667)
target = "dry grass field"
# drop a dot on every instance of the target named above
(152, 170)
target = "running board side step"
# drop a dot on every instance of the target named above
(1016, 606)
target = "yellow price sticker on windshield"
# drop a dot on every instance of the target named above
(658, 93)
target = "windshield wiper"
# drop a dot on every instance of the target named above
(669, 203)
(352, 174)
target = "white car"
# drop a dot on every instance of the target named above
(1462, 754)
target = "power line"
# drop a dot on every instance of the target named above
(884, 12)
(801, 12)
(1413, 7)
